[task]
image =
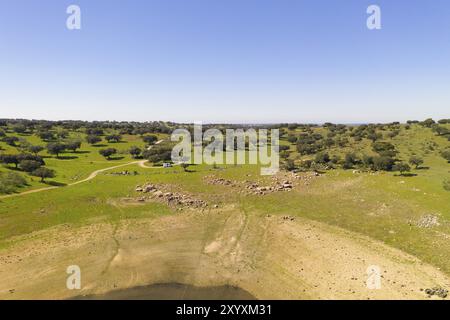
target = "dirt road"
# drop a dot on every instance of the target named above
(141, 163)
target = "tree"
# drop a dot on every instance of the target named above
(73, 145)
(29, 165)
(383, 163)
(402, 167)
(113, 138)
(428, 123)
(56, 148)
(10, 159)
(150, 139)
(43, 173)
(10, 141)
(416, 161)
(322, 157)
(94, 131)
(446, 184)
(29, 156)
(446, 154)
(46, 135)
(284, 154)
(184, 165)
(2, 133)
(93, 139)
(135, 151)
(107, 153)
(158, 154)
(19, 128)
(35, 149)
(289, 165)
(440, 130)
(62, 134)
(350, 160)
(292, 139)
(10, 181)
(384, 149)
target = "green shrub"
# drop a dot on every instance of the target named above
(446, 184)
(10, 181)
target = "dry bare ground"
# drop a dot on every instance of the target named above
(270, 257)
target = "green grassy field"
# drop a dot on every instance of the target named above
(71, 167)
(382, 205)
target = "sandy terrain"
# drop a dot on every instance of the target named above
(270, 257)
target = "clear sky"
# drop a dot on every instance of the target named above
(225, 60)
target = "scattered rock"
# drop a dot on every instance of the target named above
(437, 291)
(428, 221)
(171, 198)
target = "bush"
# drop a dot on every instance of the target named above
(113, 138)
(416, 161)
(150, 139)
(384, 149)
(322, 157)
(29, 165)
(73, 145)
(350, 160)
(93, 139)
(383, 163)
(10, 141)
(135, 151)
(10, 181)
(158, 154)
(107, 153)
(35, 149)
(446, 184)
(289, 165)
(402, 167)
(43, 173)
(446, 155)
(56, 148)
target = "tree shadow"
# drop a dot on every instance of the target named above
(406, 175)
(55, 183)
(66, 157)
(100, 145)
(423, 168)
(115, 158)
(81, 152)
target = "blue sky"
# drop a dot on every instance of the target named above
(225, 60)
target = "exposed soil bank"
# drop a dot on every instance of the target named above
(173, 291)
(268, 257)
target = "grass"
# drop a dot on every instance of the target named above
(75, 166)
(383, 206)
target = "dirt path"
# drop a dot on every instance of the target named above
(95, 173)
(141, 164)
(90, 177)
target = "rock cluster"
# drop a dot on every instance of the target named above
(124, 173)
(219, 181)
(428, 221)
(437, 291)
(171, 198)
(255, 188)
(252, 187)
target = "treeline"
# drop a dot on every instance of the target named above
(23, 126)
